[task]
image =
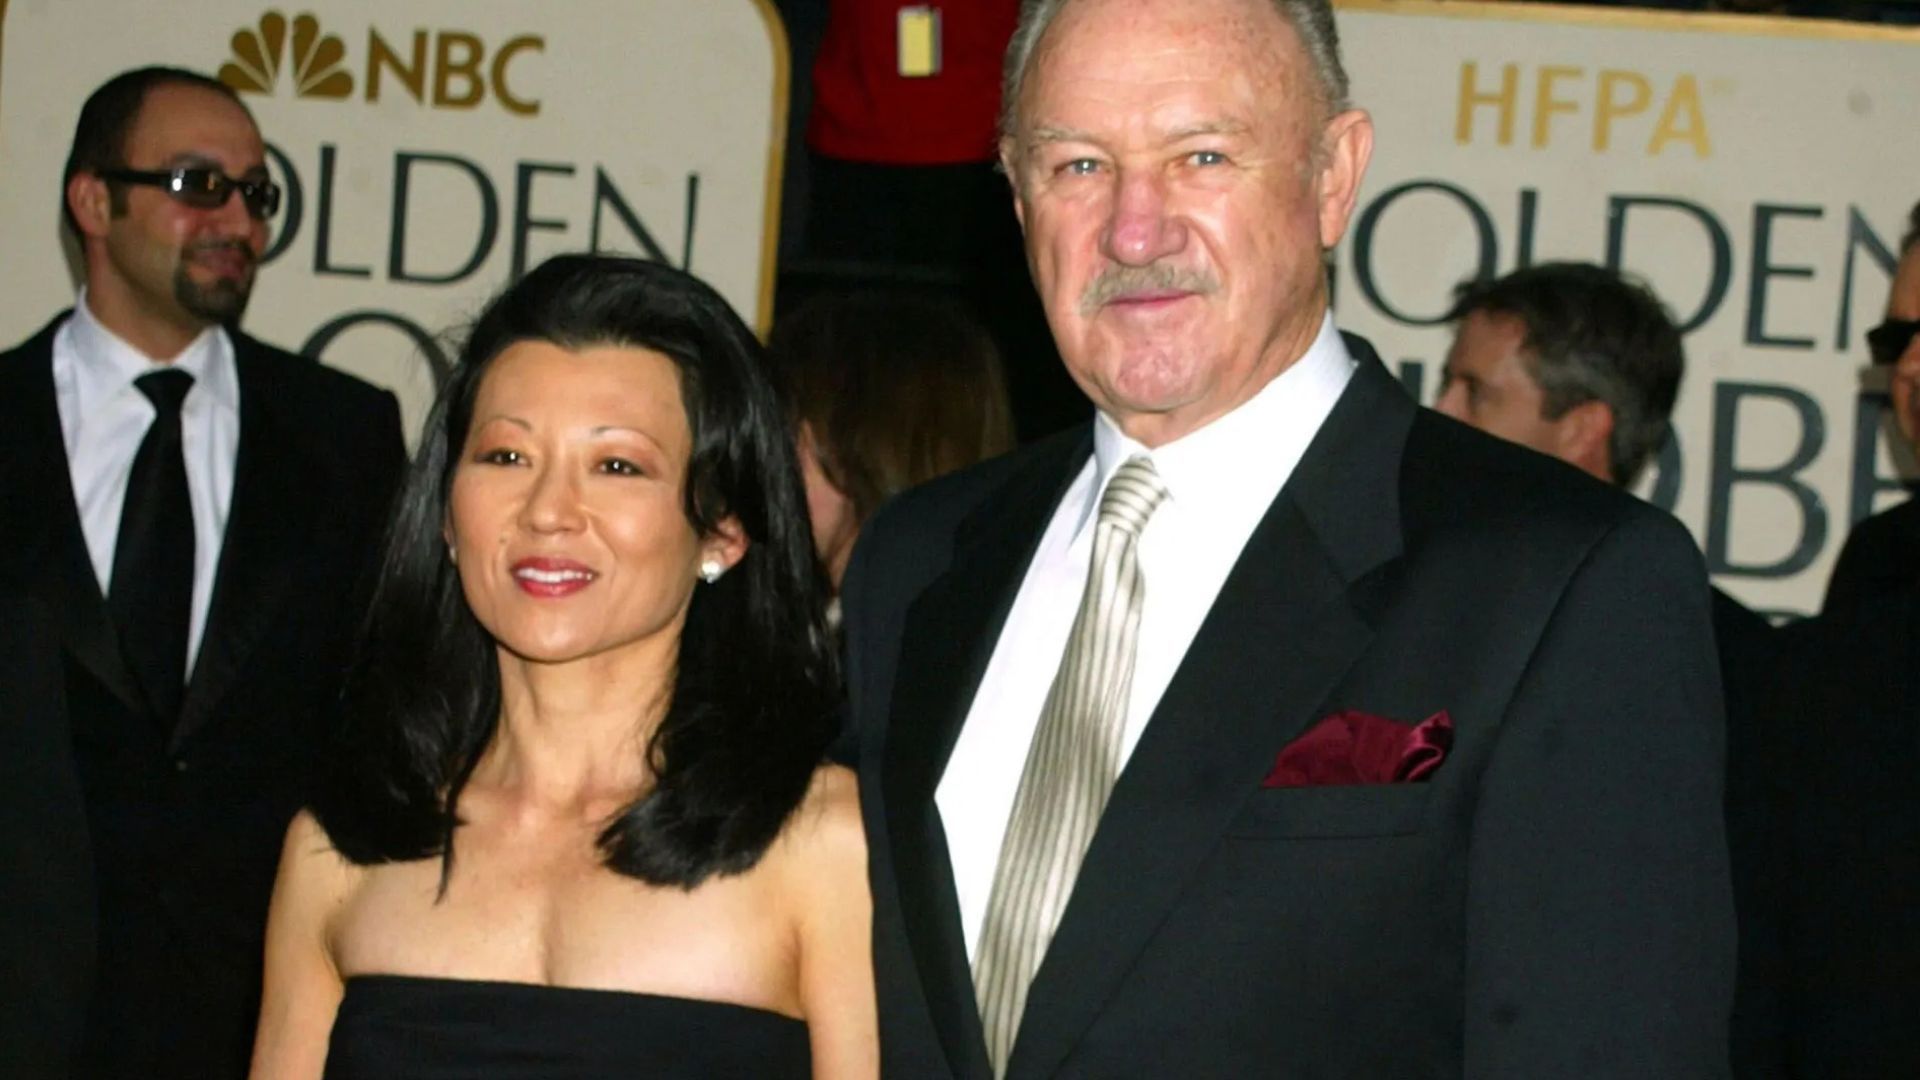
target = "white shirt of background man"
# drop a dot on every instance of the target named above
(104, 417)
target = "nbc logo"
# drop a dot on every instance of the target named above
(441, 69)
(258, 53)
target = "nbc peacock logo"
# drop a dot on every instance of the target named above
(259, 52)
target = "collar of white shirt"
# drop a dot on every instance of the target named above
(105, 365)
(1225, 474)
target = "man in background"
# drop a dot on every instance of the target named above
(1846, 702)
(1577, 362)
(1880, 551)
(191, 514)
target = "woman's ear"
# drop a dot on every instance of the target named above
(722, 547)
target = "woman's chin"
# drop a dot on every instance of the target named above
(550, 652)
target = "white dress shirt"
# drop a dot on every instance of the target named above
(104, 417)
(1221, 480)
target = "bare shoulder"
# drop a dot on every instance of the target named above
(314, 876)
(307, 842)
(833, 928)
(825, 829)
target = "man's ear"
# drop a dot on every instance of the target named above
(1585, 437)
(1009, 164)
(1346, 145)
(91, 203)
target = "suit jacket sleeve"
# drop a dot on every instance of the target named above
(1600, 920)
(47, 946)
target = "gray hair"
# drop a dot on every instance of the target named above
(1312, 20)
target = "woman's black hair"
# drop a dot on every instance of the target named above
(752, 706)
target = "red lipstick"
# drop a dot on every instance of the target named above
(551, 578)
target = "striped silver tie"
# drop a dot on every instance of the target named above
(1071, 764)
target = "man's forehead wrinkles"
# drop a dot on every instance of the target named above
(1222, 126)
(1174, 124)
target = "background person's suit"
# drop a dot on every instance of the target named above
(1882, 552)
(1554, 902)
(184, 825)
(48, 910)
(1844, 721)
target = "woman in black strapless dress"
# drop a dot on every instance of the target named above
(577, 826)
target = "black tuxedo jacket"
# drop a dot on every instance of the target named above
(1748, 661)
(1553, 903)
(1844, 716)
(47, 912)
(1882, 552)
(182, 827)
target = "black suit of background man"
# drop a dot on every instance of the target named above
(184, 827)
(1843, 730)
(140, 828)
(1844, 714)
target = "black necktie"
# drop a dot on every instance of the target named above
(151, 593)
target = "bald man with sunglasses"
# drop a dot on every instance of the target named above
(1881, 552)
(191, 516)
(1844, 849)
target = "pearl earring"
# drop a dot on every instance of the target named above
(710, 570)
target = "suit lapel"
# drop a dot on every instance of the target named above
(949, 638)
(43, 528)
(272, 480)
(1291, 597)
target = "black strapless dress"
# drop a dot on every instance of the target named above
(404, 1027)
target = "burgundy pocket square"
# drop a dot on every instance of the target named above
(1359, 748)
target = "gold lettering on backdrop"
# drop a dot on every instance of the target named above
(443, 69)
(1505, 100)
(1683, 120)
(466, 68)
(1621, 102)
(413, 75)
(1611, 106)
(1545, 104)
(507, 52)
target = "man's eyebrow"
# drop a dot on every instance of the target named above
(191, 159)
(1047, 133)
(1044, 134)
(1208, 127)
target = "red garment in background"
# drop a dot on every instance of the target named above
(864, 110)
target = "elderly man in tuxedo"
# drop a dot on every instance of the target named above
(1269, 725)
(190, 517)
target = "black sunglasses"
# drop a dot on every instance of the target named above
(1888, 340)
(204, 188)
